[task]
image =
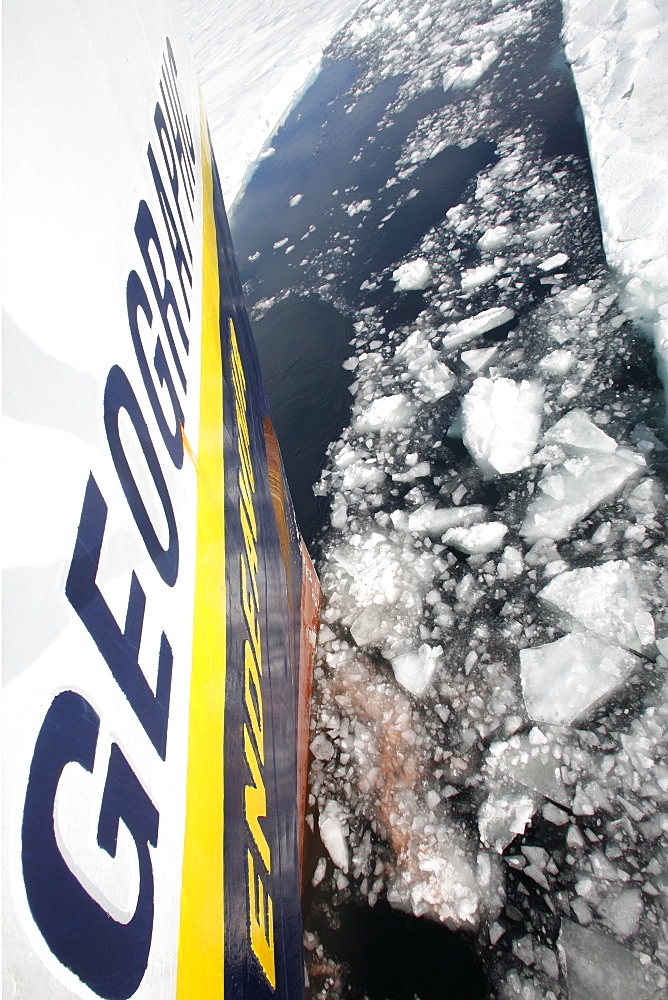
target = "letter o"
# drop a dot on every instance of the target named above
(118, 395)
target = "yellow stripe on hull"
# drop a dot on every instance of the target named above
(201, 936)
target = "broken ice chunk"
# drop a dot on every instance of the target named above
(422, 361)
(574, 490)
(599, 968)
(362, 475)
(577, 432)
(621, 911)
(475, 326)
(322, 748)
(477, 276)
(605, 599)
(371, 626)
(558, 362)
(503, 815)
(575, 299)
(477, 540)
(478, 358)
(319, 873)
(412, 275)
(330, 823)
(553, 814)
(414, 671)
(529, 760)
(501, 423)
(553, 263)
(562, 680)
(511, 564)
(432, 520)
(542, 232)
(494, 237)
(463, 77)
(385, 413)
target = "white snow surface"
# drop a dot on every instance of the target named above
(619, 55)
(253, 59)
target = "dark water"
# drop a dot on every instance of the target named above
(389, 955)
(302, 342)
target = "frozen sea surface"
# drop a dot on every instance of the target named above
(489, 729)
(252, 58)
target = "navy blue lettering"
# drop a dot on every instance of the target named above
(170, 165)
(119, 395)
(178, 123)
(120, 649)
(187, 174)
(146, 234)
(172, 232)
(108, 956)
(137, 299)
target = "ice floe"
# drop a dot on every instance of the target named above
(501, 423)
(412, 275)
(563, 680)
(604, 599)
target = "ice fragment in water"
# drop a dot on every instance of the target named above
(562, 680)
(478, 358)
(477, 540)
(511, 564)
(322, 748)
(599, 968)
(432, 520)
(385, 413)
(558, 362)
(496, 931)
(576, 488)
(370, 628)
(522, 761)
(319, 873)
(553, 263)
(501, 423)
(412, 275)
(553, 814)
(577, 432)
(477, 276)
(358, 206)
(422, 361)
(331, 831)
(475, 326)
(622, 912)
(542, 232)
(463, 77)
(575, 300)
(605, 599)
(414, 671)
(503, 815)
(494, 238)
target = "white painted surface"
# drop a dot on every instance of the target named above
(80, 88)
